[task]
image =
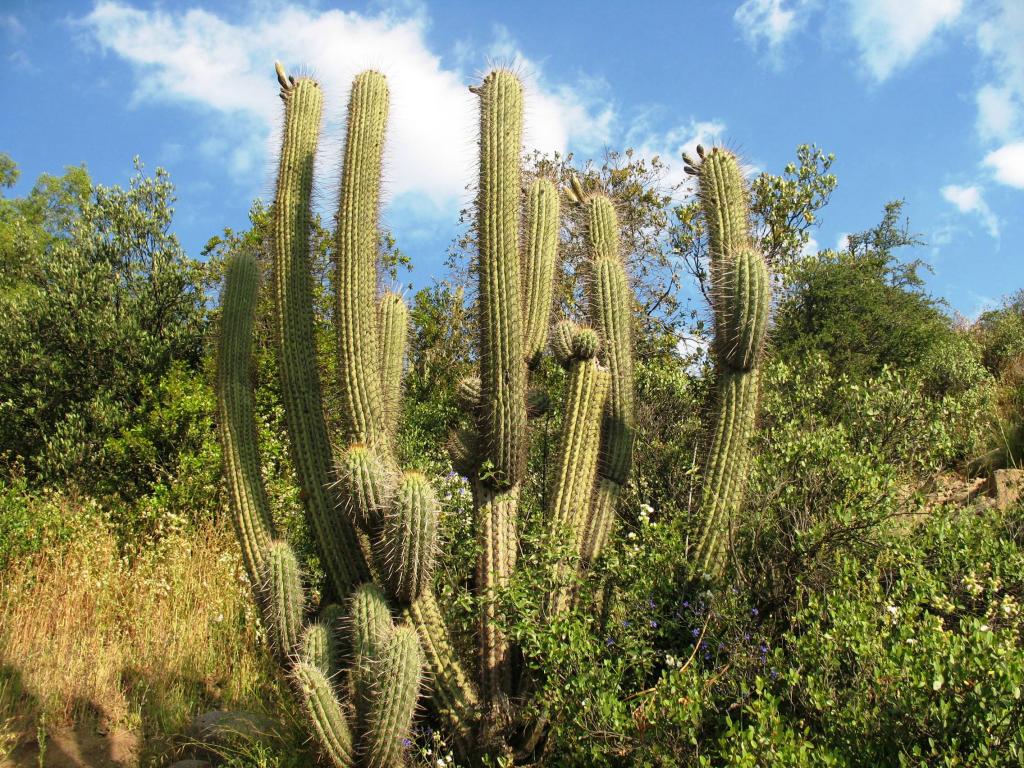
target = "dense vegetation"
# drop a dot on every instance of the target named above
(870, 616)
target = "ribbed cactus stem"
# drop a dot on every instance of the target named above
(502, 412)
(452, 691)
(357, 247)
(396, 684)
(326, 715)
(371, 624)
(539, 264)
(576, 466)
(406, 547)
(250, 509)
(285, 599)
(502, 364)
(496, 532)
(393, 325)
(741, 299)
(610, 300)
(365, 481)
(319, 647)
(300, 383)
(601, 520)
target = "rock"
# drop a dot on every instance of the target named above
(1006, 486)
(190, 764)
(218, 730)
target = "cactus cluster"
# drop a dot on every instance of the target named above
(358, 666)
(741, 298)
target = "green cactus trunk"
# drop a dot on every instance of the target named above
(611, 311)
(237, 423)
(357, 246)
(300, 383)
(741, 300)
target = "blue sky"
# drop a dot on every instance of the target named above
(918, 99)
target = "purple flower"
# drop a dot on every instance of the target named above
(654, 624)
(406, 743)
(754, 612)
(695, 632)
(609, 641)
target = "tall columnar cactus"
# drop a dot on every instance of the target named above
(611, 311)
(741, 300)
(375, 523)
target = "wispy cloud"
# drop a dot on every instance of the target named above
(223, 69)
(10, 26)
(1001, 101)
(969, 200)
(669, 146)
(770, 23)
(891, 34)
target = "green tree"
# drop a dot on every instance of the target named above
(861, 308)
(98, 303)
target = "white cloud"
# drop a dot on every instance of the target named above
(890, 34)
(997, 113)
(970, 200)
(1007, 164)
(770, 22)
(810, 248)
(225, 70)
(670, 145)
(843, 241)
(1001, 102)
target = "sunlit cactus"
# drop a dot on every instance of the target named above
(741, 299)
(361, 667)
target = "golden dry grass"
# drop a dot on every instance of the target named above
(143, 644)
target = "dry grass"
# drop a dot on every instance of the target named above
(87, 635)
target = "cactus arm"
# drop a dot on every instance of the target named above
(611, 312)
(366, 485)
(576, 465)
(285, 600)
(396, 684)
(741, 298)
(539, 265)
(406, 547)
(452, 691)
(393, 324)
(370, 622)
(726, 468)
(326, 714)
(502, 365)
(357, 240)
(502, 411)
(237, 424)
(496, 515)
(300, 384)
(318, 647)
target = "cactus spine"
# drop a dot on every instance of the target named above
(371, 518)
(740, 299)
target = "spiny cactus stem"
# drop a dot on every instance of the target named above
(237, 423)
(300, 384)
(356, 283)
